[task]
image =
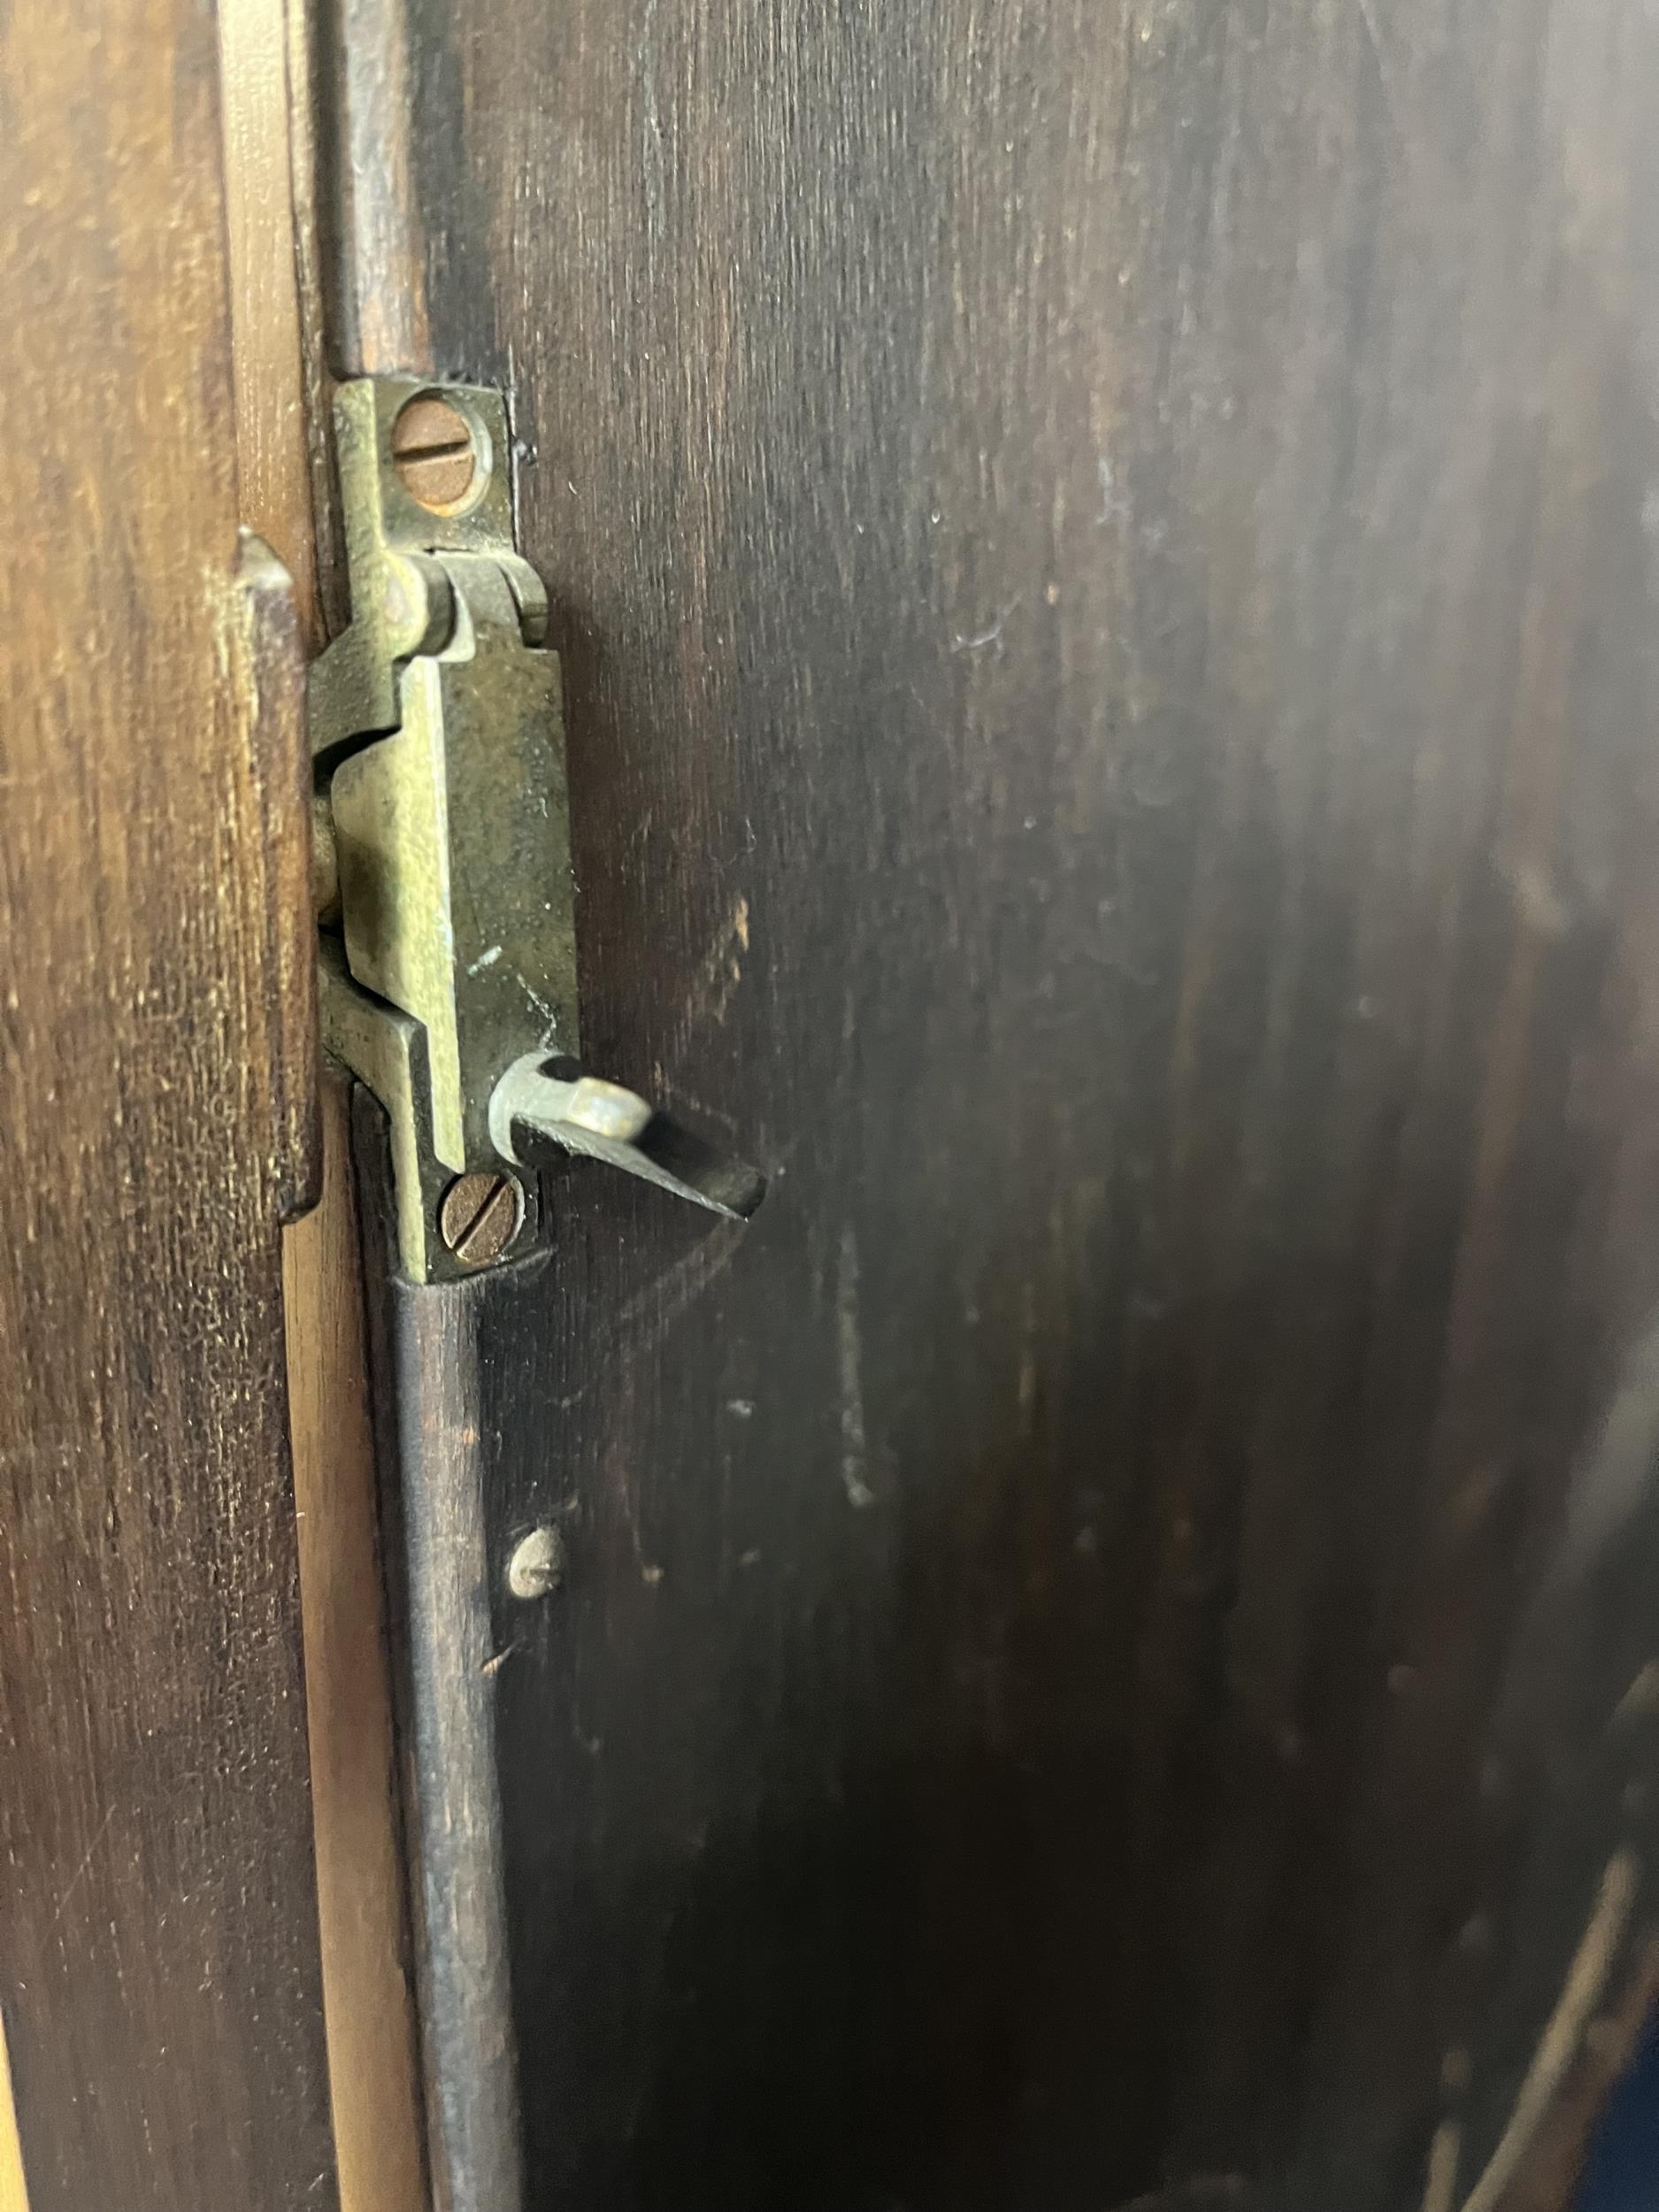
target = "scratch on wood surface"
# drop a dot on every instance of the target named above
(990, 636)
(549, 1020)
(653, 168)
(661, 1304)
(849, 1352)
(80, 1874)
(620, 1483)
(658, 1306)
(722, 969)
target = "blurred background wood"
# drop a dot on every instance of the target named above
(1105, 560)
(158, 1951)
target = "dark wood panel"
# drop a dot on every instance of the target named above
(431, 1442)
(1104, 561)
(158, 1965)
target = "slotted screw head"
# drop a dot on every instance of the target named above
(479, 1216)
(434, 452)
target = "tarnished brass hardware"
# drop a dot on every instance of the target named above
(537, 1102)
(435, 452)
(437, 738)
(480, 1216)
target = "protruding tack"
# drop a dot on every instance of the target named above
(537, 1565)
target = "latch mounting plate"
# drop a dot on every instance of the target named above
(448, 957)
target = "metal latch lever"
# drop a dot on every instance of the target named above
(540, 1104)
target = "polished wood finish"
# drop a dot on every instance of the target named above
(158, 1951)
(1104, 557)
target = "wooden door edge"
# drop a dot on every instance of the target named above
(281, 384)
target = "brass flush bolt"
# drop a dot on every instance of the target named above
(448, 937)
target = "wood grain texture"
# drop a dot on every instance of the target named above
(1104, 556)
(435, 1460)
(368, 54)
(282, 429)
(368, 1997)
(159, 1963)
(272, 442)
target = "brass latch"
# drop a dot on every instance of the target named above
(444, 891)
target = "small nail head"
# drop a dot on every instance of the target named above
(537, 1565)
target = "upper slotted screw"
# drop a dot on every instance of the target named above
(434, 452)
